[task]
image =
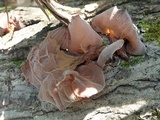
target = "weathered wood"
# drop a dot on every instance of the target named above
(130, 92)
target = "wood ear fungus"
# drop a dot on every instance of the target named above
(117, 24)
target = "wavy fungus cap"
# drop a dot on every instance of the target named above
(118, 25)
(82, 37)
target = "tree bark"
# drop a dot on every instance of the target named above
(131, 92)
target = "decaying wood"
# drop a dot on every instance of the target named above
(130, 92)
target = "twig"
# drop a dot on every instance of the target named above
(55, 7)
(47, 4)
(11, 26)
(6, 9)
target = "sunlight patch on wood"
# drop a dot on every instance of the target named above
(124, 110)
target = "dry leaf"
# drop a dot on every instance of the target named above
(6, 27)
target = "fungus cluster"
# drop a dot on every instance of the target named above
(68, 65)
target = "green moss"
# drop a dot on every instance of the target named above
(140, 118)
(7, 64)
(156, 113)
(132, 61)
(17, 63)
(151, 30)
(2, 60)
(104, 43)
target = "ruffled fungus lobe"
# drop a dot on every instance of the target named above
(47, 57)
(117, 24)
(61, 77)
(45, 66)
(88, 79)
(82, 38)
